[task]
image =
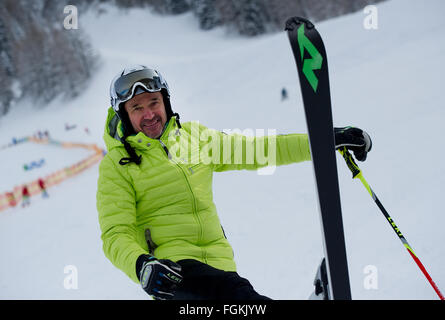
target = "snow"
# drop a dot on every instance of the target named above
(386, 81)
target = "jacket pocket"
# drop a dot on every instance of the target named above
(151, 245)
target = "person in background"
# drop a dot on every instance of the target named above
(43, 188)
(25, 197)
(283, 94)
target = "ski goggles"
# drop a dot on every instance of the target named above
(124, 87)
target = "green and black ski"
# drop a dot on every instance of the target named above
(312, 64)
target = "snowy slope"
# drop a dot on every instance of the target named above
(387, 81)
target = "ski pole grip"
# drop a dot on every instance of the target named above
(350, 162)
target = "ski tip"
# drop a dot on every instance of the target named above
(294, 22)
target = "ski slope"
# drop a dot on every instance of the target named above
(387, 81)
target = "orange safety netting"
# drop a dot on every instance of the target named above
(12, 198)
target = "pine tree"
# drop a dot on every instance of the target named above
(206, 13)
(177, 6)
(6, 69)
(251, 20)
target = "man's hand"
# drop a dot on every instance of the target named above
(159, 278)
(354, 139)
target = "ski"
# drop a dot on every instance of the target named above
(312, 65)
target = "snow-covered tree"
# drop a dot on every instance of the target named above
(207, 14)
(6, 68)
(37, 54)
(251, 19)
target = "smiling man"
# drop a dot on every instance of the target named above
(147, 113)
(158, 220)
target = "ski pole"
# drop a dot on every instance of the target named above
(357, 173)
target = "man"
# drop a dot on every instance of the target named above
(156, 212)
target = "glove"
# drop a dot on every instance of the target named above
(354, 139)
(159, 278)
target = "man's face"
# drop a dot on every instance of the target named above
(147, 113)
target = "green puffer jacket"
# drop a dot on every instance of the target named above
(164, 206)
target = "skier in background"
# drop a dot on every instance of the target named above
(25, 197)
(283, 94)
(70, 127)
(158, 221)
(43, 188)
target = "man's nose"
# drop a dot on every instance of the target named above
(148, 114)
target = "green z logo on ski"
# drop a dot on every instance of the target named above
(309, 65)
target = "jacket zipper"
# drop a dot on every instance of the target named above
(195, 212)
(165, 149)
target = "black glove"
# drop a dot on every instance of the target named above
(354, 139)
(159, 278)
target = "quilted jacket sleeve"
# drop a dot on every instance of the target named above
(239, 152)
(116, 206)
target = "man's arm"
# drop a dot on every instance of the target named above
(116, 205)
(244, 152)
